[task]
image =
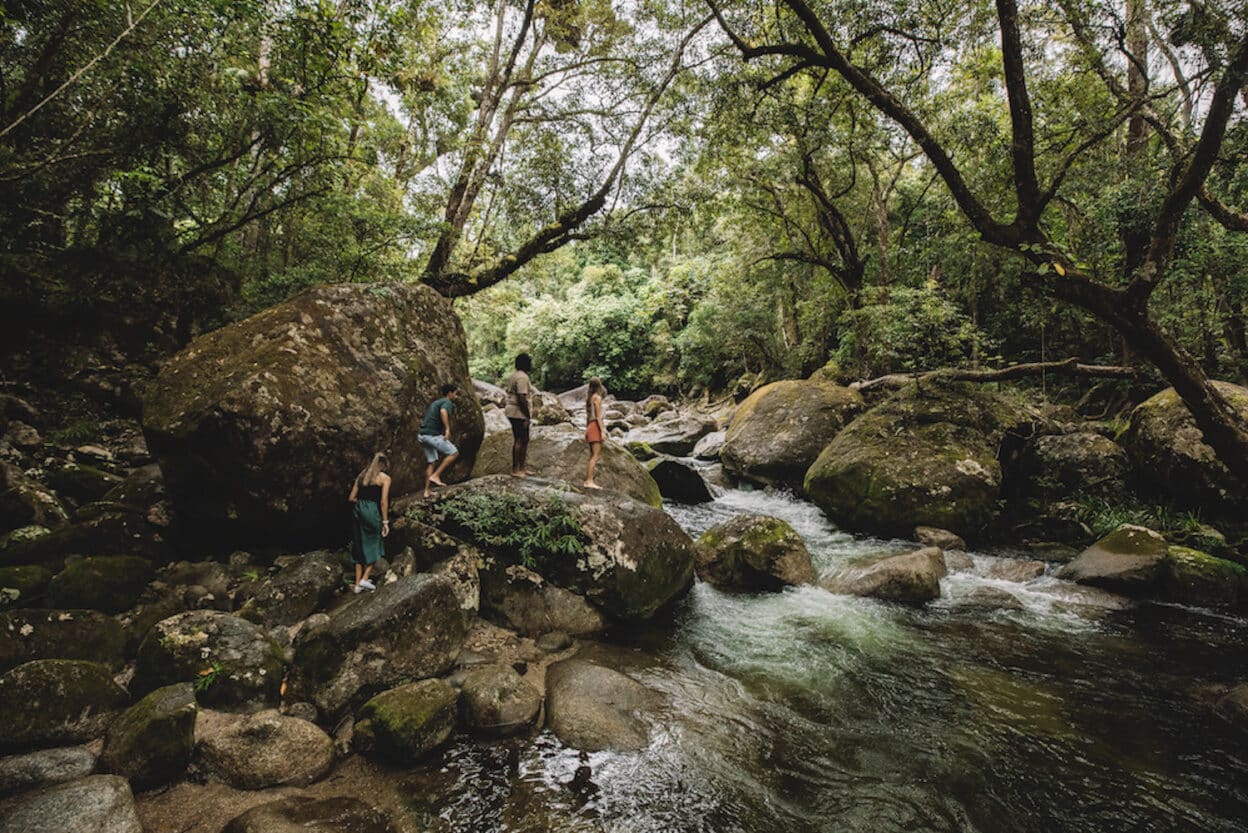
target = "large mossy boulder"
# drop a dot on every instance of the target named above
(57, 701)
(406, 723)
(1171, 460)
(673, 433)
(27, 635)
(262, 750)
(22, 585)
(928, 455)
(1129, 560)
(407, 629)
(754, 552)
(302, 587)
(910, 578)
(232, 662)
(561, 453)
(1083, 462)
(779, 430)
(95, 804)
(628, 559)
(1193, 577)
(260, 426)
(592, 708)
(152, 741)
(108, 583)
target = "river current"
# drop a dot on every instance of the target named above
(807, 711)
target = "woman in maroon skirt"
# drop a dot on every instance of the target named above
(594, 433)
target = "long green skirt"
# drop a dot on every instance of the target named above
(366, 546)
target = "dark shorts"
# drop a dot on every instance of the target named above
(519, 429)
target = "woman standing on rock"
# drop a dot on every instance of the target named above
(594, 433)
(370, 519)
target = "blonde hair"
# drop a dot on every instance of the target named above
(376, 466)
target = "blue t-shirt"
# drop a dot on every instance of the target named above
(432, 424)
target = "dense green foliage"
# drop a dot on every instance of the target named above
(533, 534)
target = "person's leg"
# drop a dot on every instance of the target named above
(428, 477)
(436, 479)
(517, 460)
(595, 449)
(364, 582)
(358, 575)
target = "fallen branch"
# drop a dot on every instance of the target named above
(1070, 367)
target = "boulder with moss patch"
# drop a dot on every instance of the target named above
(302, 587)
(673, 433)
(111, 584)
(23, 584)
(1128, 560)
(780, 429)
(911, 578)
(406, 723)
(1197, 578)
(1171, 459)
(152, 741)
(754, 552)
(407, 629)
(925, 456)
(31, 634)
(56, 701)
(258, 425)
(628, 559)
(560, 452)
(232, 663)
(1084, 462)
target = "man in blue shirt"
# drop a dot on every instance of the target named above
(435, 436)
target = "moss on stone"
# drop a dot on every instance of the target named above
(152, 741)
(111, 584)
(56, 701)
(28, 581)
(411, 720)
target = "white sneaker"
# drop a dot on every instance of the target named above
(367, 584)
(356, 589)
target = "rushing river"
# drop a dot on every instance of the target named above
(807, 711)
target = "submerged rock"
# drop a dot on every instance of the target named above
(1170, 458)
(911, 577)
(592, 708)
(561, 453)
(754, 552)
(263, 750)
(57, 701)
(780, 429)
(990, 598)
(303, 814)
(151, 743)
(261, 425)
(96, 804)
(925, 456)
(406, 723)
(1014, 569)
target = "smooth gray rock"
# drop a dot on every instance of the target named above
(911, 577)
(262, 750)
(95, 804)
(496, 701)
(304, 814)
(47, 766)
(592, 708)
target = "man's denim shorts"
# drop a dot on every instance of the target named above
(434, 445)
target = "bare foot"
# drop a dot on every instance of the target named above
(433, 481)
(592, 486)
(519, 474)
(428, 493)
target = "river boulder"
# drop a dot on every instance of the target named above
(496, 701)
(1170, 458)
(673, 433)
(232, 662)
(405, 723)
(262, 750)
(408, 629)
(27, 635)
(260, 426)
(302, 587)
(529, 604)
(95, 804)
(926, 456)
(304, 814)
(911, 578)
(754, 552)
(711, 446)
(779, 430)
(1128, 560)
(592, 708)
(679, 481)
(152, 741)
(561, 453)
(1083, 462)
(1193, 577)
(57, 701)
(628, 559)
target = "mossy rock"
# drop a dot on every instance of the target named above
(232, 662)
(1197, 578)
(410, 721)
(754, 552)
(18, 539)
(780, 429)
(107, 533)
(57, 701)
(32, 634)
(111, 584)
(1170, 458)
(151, 742)
(82, 484)
(924, 457)
(1129, 560)
(640, 451)
(22, 585)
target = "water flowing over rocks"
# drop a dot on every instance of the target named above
(409, 629)
(96, 804)
(234, 664)
(560, 453)
(262, 750)
(911, 578)
(592, 708)
(152, 741)
(753, 552)
(1171, 459)
(925, 456)
(633, 560)
(780, 429)
(260, 426)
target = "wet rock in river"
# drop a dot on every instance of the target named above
(911, 577)
(673, 433)
(930, 536)
(1129, 560)
(679, 481)
(754, 552)
(405, 723)
(1014, 569)
(592, 708)
(496, 701)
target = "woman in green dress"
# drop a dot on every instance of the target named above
(370, 519)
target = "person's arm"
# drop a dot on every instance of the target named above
(446, 422)
(385, 506)
(522, 398)
(355, 490)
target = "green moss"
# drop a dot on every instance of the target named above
(640, 450)
(1133, 540)
(1207, 565)
(108, 583)
(411, 720)
(27, 583)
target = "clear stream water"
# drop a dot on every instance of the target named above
(807, 711)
